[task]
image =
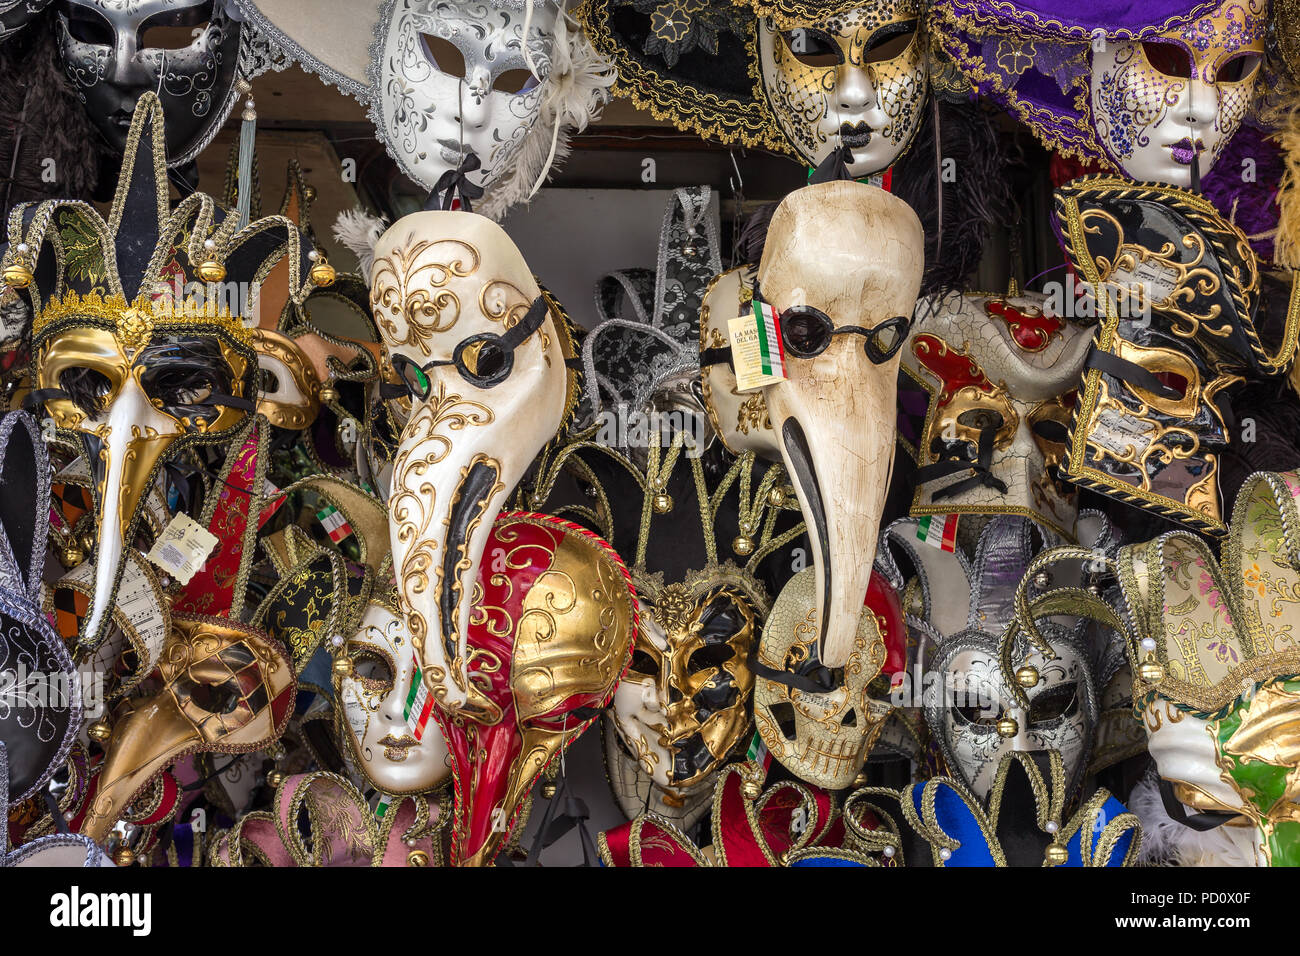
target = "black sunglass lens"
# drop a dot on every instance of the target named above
(486, 361)
(414, 377)
(804, 334)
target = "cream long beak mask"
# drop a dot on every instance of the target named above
(852, 253)
(481, 352)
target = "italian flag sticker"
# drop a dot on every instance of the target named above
(938, 531)
(382, 806)
(759, 753)
(334, 523)
(419, 705)
(770, 347)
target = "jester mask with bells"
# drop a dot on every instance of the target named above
(996, 372)
(1214, 652)
(854, 77)
(1181, 300)
(554, 621)
(481, 353)
(226, 688)
(841, 268)
(139, 346)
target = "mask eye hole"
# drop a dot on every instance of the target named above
(1175, 381)
(1239, 68)
(975, 717)
(1173, 61)
(268, 381)
(709, 656)
(86, 26)
(446, 56)
(1054, 704)
(372, 668)
(87, 388)
(220, 698)
(805, 333)
(166, 36)
(814, 48)
(643, 663)
(891, 43)
(980, 419)
(515, 82)
(783, 714)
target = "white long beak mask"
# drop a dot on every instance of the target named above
(841, 267)
(481, 354)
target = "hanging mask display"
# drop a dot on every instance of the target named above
(1183, 299)
(481, 352)
(101, 44)
(997, 373)
(1155, 92)
(139, 348)
(844, 312)
(855, 78)
(373, 693)
(473, 100)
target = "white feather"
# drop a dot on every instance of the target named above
(1166, 842)
(575, 90)
(360, 231)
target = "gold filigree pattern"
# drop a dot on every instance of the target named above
(408, 292)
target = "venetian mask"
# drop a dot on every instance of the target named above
(551, 634)
(1181, 298)
(139, 349)
(682, 707)
(822, 736)
(997, 371)
(858, 80)
(482, 354)
(841, 269)
(452, 80)
(1162, 103)
(374, 696)
(107, 52)
(289, 393)
(226, 688)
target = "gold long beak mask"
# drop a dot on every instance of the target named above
(841, 267)
(480, 352)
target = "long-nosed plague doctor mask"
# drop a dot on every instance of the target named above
(854, 79)
(841, 268)
(481, 352)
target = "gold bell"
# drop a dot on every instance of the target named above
(751, 789)
(548, 790)
(417, 858)
(17, 276)
(274, 778)
(71, 555)
(344, 667)
(309, 193)
(323, 274)
(99, 731)
(211, 271)
(662, 503)
(1151, 671)
(1027, 676)
(1056, 854)
(776, 497)
(1008, 727)
(124, 856)
(328, 394)
(742, 545)
(860, 780)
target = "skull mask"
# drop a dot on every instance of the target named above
(482, 353)
(995, 370)
(102, 44)
(1162, 103)
(857, 80)
(374, 698)
(682, 708)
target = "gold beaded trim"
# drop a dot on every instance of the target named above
(136, 321)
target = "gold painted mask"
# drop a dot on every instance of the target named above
(289, 395)
(858, 79)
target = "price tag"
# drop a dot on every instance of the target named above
(182, 548)
(757, 353)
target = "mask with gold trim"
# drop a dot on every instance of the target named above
(832, 421)
(682, 708)
(138, 340)
(856, 78)
(226, 688)
(996, 371)
(482, 353)
(1182, 300)
(550, 636)
(1213, 650)
(373, 696)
